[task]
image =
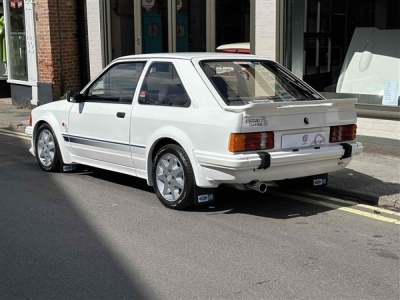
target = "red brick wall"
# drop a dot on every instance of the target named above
(58, 58)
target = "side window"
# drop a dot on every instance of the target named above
(117, 84)
(162, 86)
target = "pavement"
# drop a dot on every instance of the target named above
(372, 177)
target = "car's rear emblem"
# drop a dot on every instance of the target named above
(306, 121)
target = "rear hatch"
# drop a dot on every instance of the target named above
(297, 124)
(284, 110)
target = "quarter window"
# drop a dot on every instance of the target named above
(117, 84)
(162, 86)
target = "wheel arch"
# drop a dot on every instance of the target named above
(187, 146)
(52, 122)
(157, 145)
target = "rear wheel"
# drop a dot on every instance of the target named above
(173, 177)
(47, 151)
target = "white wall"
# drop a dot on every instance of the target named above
(265, 28)
(94, 36)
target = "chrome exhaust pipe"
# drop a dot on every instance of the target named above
(258, 186)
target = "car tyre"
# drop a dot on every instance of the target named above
(47, 151)
(173, 177)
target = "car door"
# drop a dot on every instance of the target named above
(162, 102)
(99, 125)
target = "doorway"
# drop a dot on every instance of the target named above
(154, 26)
(5, 91)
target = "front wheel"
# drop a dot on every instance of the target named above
(47, 151)
(173, 177)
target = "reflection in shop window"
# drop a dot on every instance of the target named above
(18, 63)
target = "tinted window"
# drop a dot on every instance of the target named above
(117, 84)
(162, 86)
(241, 82)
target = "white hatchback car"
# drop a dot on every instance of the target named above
(189, 122)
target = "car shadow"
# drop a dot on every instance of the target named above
(116, 178)
(229, 200)
(266, 205)
(346, 184)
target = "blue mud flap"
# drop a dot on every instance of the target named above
(319, 180)
(66, 168)
(203, 195)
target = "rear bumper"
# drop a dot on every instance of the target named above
(269, 166)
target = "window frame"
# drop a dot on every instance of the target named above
(102, 75)
(170, 99)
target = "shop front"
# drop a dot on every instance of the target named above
(18, 67)
(151, 26)
(4, 86)
(347, 48)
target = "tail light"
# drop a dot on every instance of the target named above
(343, 133)
(30, 120)
(251, 141)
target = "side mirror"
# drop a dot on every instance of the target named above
(74, 96)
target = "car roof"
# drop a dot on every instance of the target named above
(195, 55)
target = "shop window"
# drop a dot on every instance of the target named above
(17, 55)
(3, 56)
(232, 21)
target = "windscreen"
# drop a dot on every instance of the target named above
(243, 82)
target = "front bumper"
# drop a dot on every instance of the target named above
(269, 166)
(29, 131)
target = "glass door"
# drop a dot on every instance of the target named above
(191, 25)
(3, 57)
(154, 26)
(14, 39)
(170, 26)
(232, 22)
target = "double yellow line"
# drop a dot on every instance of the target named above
(377, 213)
(16, 134)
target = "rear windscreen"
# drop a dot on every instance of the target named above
(242, 82)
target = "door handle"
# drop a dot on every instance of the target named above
(120, 114)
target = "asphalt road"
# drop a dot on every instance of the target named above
(101, 235)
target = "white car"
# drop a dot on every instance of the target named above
(189, 122)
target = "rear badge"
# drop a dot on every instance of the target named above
(257, 122)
